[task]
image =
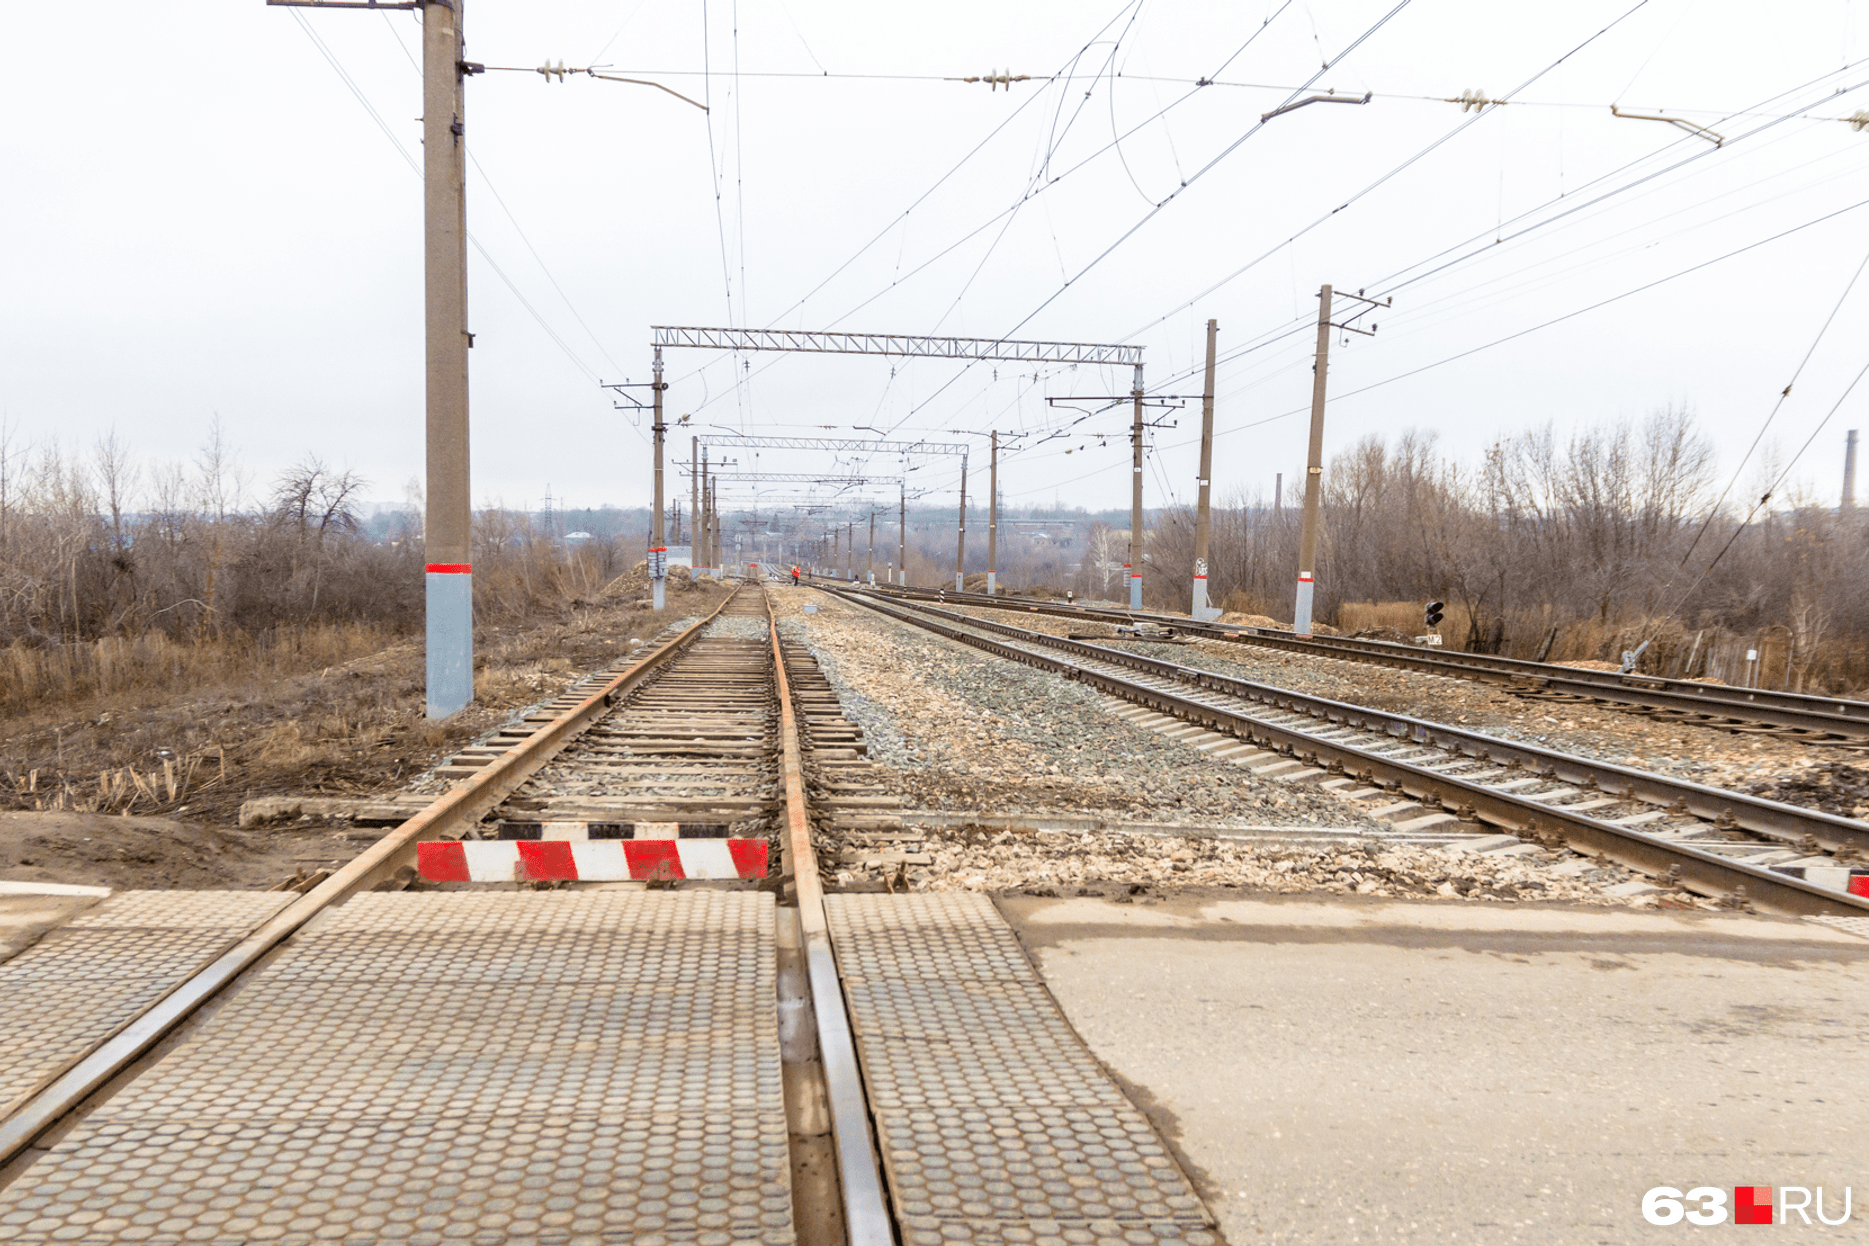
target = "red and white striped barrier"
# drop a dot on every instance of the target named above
(616, 860)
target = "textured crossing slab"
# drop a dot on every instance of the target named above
(997, 1124)
(87, 979)
(569, 1066)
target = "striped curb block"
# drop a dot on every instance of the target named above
(538, 861)
(1835, 877)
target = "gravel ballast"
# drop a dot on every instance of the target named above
(965, 732)
(1702, 754)
(968, 731)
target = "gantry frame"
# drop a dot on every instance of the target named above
(914, 347)
(908, 345)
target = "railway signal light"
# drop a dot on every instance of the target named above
(1434, 612)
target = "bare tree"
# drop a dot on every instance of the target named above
(220, 480)
(117, 474)
(313, 499)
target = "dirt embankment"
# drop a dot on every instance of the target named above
(145, 790)
(103, 850)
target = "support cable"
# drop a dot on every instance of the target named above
(415, 168)
(1155, 211)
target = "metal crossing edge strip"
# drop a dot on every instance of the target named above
(1699, 871)
(461, 805)
(859, 1174)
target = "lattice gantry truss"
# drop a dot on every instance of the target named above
(894, 344)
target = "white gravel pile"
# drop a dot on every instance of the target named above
(1064, 862)
(1700, 754)
(966, 731)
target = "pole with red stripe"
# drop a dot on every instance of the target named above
(448, 528)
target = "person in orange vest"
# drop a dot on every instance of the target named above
(794, 577)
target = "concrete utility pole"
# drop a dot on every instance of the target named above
(850, 551)
(960, 547)
(448, 531)
(902, 535)
(835, 562)
(705, 528)
(658, 539)
(1849, 471)
(869, 568)
(1133, 568)
(716, 546)
(448, 522)
(1202, 518)
(694, 505)
(992, 520)
(1313, 473)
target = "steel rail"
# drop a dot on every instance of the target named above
(1823, 716)
(463, 805)
(1790, 823)
(1699, 871)
(1799, 711)
(859, 1175)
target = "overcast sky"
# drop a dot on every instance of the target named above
(201, 217)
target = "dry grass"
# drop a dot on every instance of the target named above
(194, 730)
(1674, 649)
(1246, 601)
(74, 674)
(511, 686)
(1407, 617)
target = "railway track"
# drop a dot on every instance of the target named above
(687, 764)
(1836, 722)
(1714, 842)
(638, 1032)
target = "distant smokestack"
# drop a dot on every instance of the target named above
(1849, 472)
(1278, 496)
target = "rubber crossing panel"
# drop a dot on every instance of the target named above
(554, 1067)
(84, 981)
(997, 1125)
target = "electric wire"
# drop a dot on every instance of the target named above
(1767, 496)
(1336, 398)
(1394, 172)
(1051, 149)
(1487, 250)
(415, 168)
(901, 219)
(1209, 81)
(1032, 190)
(1173, 195)
(1771, 416)
(739, 203)
(500, 199)
(1393, 281)
(713, 168)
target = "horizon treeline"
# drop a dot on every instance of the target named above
(96, 545)
(1584, 547)
(1617, 537)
